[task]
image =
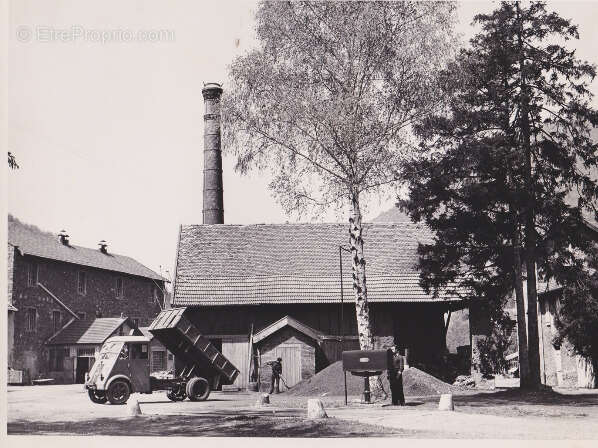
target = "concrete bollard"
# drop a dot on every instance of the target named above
(263, 399)
(446, 403)
(133, 408)
(315, 409)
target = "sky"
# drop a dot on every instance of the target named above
(106, 117)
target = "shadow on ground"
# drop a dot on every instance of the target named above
(521, 397)
(214, 424)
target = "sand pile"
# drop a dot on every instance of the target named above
(330, 382)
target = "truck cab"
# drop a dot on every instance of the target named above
(123, 368)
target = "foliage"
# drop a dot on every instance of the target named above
(498, 167)
(577, 316)
(494, 349)
(327, 100)
(12, 162)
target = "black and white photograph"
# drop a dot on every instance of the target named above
(265, 222)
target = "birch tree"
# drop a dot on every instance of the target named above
(327, 101)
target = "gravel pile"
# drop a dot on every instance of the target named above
(330, 382)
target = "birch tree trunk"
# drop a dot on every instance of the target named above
(362, 310)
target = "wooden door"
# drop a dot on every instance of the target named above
(139, 367)
(291, 362)
(236, 350)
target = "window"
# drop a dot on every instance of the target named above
(81, 315)
(88, 352)
(32, 274)
(31, 316)
(82, 282)
(57, 320)
(158, 360)
(138, 351)
(119, 287)
(135, 323)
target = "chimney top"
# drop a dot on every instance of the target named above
(64, 238)
(211, 90)
(103, 246)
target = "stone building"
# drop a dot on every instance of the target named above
(51, 282)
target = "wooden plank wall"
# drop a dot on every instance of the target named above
(236, 350)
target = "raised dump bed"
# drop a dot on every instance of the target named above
(173, 329)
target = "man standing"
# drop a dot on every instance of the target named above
(395, 375)
(276, 372)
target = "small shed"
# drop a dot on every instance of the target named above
(296, 343)
(75, 347)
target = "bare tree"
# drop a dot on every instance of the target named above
(327, 101)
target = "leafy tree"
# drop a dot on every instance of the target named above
(327, 101)
(12, 162)
(513, 144)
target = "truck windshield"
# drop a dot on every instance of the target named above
(111, 350)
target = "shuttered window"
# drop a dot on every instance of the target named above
(120, 287)
(31, 319)
(82, 283)
(32, 274)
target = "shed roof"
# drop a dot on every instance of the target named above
(295, 263)
(90, 331)
(286, 321)
(32, 241)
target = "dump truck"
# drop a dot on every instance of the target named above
(123, 366)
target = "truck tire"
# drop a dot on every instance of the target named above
(97, 396)
(118, 392)
(198, 389)
(177, 393)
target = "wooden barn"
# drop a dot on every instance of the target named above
(275, 290)
(265, 291)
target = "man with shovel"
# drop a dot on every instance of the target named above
(276, 373)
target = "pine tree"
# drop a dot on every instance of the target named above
(512, 145)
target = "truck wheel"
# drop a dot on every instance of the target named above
(198, 389)
(97, 396)
(118, 392)
(176, 395)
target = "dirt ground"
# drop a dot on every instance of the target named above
(66, 410)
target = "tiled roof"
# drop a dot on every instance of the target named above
(295, 263)
(89, 331)
(32, 241)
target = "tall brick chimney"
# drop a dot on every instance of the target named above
(213, 202)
